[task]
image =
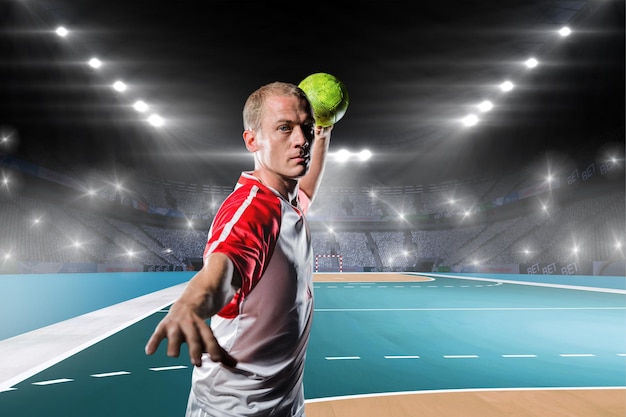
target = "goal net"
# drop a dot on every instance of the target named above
(328, 263)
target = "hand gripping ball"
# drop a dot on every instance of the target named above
(328, 97)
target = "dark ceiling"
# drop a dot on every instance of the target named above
(412, 69)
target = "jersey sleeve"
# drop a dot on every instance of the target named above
(245, 229)
(304, 201)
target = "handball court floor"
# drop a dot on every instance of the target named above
(381, 345)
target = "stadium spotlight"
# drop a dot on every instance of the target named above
(565, 31)
(140, 106)
(507, 86)
(95, 63)
(470, 120)
(61, 31)
(156, 120)
(119, 86)
(364, 155)
(485, 106)
(531, 63)
(342, 155)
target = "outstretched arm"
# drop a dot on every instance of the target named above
(310, 182)
(206, 294)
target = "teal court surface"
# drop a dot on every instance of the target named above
(443, 333)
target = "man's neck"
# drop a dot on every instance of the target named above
(287, 188)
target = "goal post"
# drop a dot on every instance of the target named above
(339, 259)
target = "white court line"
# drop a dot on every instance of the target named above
(108, 374)
(24, 355)
(168, 368)
(531, 283)
(519, 356)
(460, 356)
(454, 391)
(401, 357)
(471, 309)
(576, 355)
(53, 381)
(341, 358)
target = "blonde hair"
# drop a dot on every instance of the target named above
(255, 104)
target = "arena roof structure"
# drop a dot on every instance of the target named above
(414, 72)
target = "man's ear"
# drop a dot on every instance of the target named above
(249, 138)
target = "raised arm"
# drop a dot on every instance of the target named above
(310, 182)
(206, 294)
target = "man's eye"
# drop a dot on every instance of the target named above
(284, 128)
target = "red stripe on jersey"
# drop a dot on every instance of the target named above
(246, 229)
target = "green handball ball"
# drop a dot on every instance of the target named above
(328, 97)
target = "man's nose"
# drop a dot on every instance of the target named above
(301, 137)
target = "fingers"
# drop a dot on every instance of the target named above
(198, 336)
(213, 348)
(195, 343)
(154, 341)
(163, 331)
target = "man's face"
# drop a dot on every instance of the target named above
(282, 144)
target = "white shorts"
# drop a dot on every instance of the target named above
(194, 407)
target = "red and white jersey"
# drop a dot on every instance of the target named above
(267, 324)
